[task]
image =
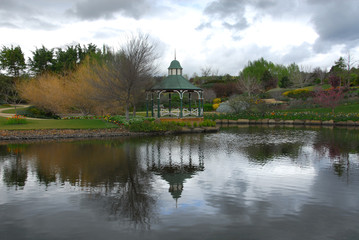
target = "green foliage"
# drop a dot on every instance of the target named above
(207, 123)
(207, 107)
(35, 112)
(284, 82)
(339, 66)
(7, 89)
(265, 71)
(42, 60)
(256, 68)
(308, 115)
(268, 81)
(58, 124)
(344, 112)
(12, 60)
(121, 120)
(152, 126)
(66, 60)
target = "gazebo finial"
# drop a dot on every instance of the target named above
(175, 54)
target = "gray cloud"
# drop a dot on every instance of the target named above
(225, 10)
(203, 26)
(93, 9)
(297, 54)
(17, 14)
(8, 25)
(336, 23)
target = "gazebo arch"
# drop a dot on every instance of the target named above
(174, 83)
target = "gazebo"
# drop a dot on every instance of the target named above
(176, 160)
(174, 83)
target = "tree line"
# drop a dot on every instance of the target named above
(90, 79)
(262, 75)
(83, 79)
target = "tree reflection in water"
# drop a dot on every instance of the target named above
(110, 171)
(115, 174)
(15, 171)
(337, 144)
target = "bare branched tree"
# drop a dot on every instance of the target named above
(248, 84)
(208, 71)
(320, 74)
(305, 75)
(299, 76)
(350, 63)
(209, 95)
(128, 72)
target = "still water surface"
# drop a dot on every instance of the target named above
(241, 183)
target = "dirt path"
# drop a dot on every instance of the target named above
(9, 115)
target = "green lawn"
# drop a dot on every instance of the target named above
(349, 108)
(58, 124)
(4, 106)
(13, 111)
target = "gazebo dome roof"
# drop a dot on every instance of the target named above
(175, 65)
(175, 82)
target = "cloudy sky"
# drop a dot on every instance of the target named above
(222, 34)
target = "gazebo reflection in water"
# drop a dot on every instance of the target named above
(176, 161)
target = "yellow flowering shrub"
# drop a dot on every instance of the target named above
(215, 106)
(286, 93)
(216, 100)
(297, 93)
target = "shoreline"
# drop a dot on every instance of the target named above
(45, 134)
(61, 134)
(286, 122)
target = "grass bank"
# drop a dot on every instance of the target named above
(342, 109)
(13, 110)
(58, 124)
(345, 112)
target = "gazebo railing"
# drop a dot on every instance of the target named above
(193, 112)
(175, 112)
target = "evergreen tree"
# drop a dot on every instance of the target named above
(42, 60)
(12, 60)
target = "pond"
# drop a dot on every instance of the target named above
(240, 183)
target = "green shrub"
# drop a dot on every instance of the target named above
(121, 120)
(284, 82)
(35, 112)
(208, 107)
(207, 123)
(151, 126)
